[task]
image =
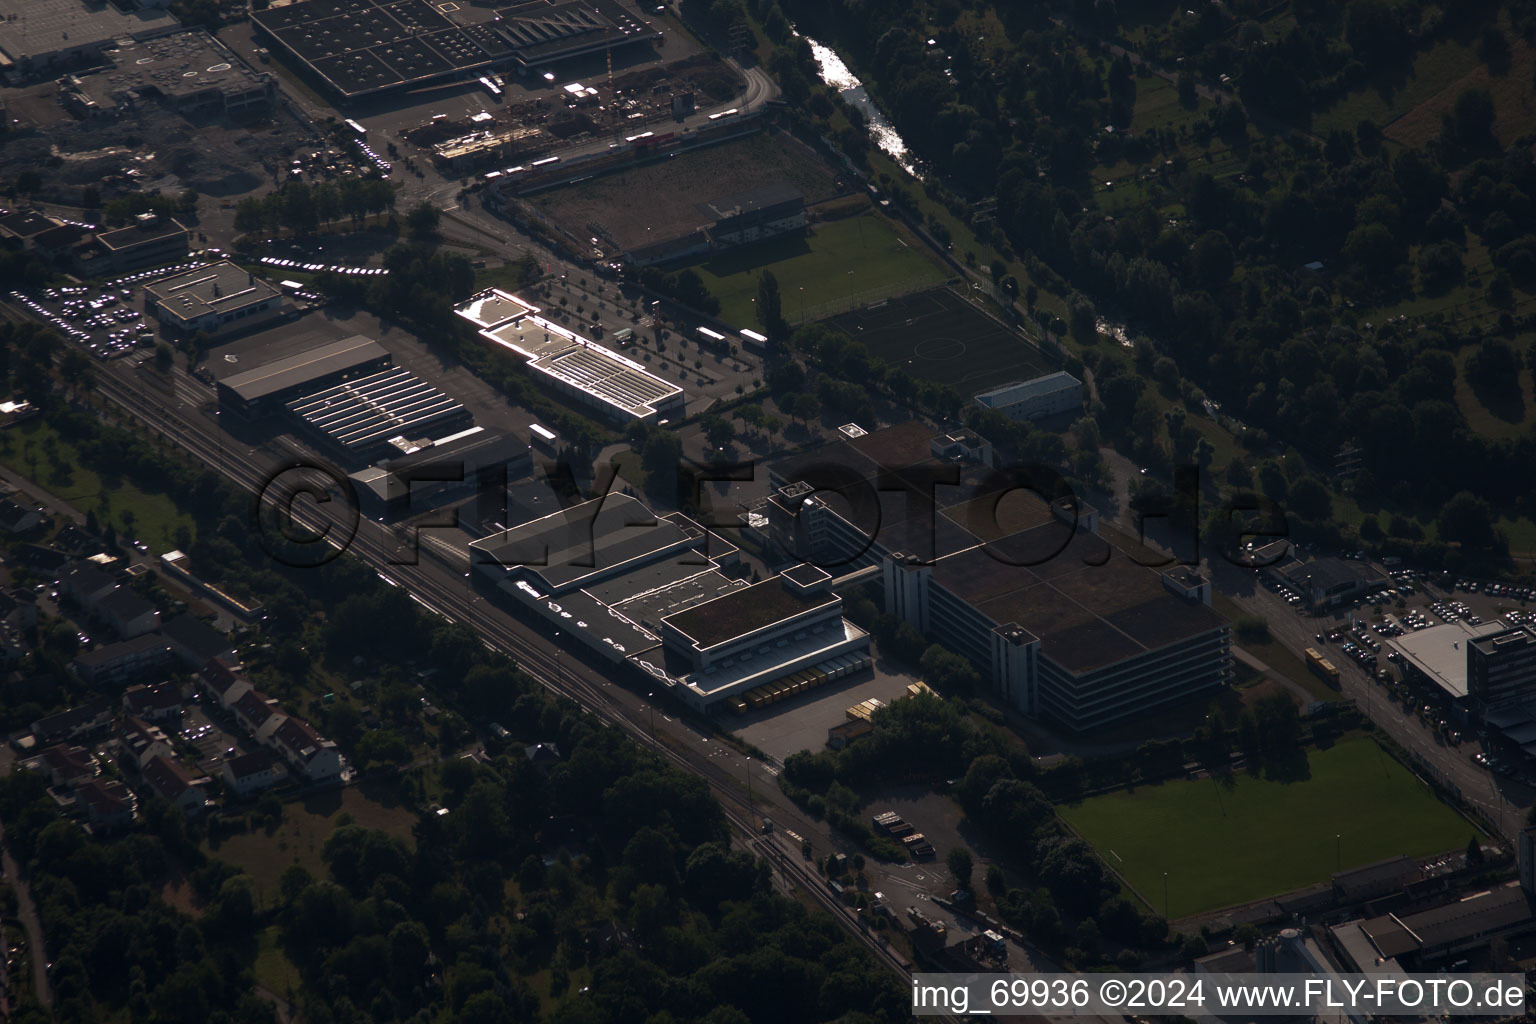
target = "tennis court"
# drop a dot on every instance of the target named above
(937, 335)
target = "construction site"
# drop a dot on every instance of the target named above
(511, 131)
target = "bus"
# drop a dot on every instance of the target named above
(491, 87)
(362, 132)
(710, 337)
(1322, 667)
(542, 437)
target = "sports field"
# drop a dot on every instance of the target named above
(1223, 844)
(936, 335)
(834, 262)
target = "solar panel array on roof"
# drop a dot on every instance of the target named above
(370, 410)
(602, 375)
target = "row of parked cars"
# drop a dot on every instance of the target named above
(315, 268)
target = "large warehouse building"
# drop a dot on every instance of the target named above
(40, 36)
(660, 596)
(360, 47)
(1065, 626)
(268, 388)
(596, 378)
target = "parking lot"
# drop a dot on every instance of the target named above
(214, 743)
(102, 320)
(791, 726)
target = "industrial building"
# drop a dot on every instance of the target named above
(1065, 627)
(360, 47)
(38, 37)
(599, 380)
(215, 300)
(371, 412)
(475, 460)
(191, 72)
(1050, 395)
(267, 389)
(659, 595)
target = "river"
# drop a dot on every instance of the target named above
(836, 74)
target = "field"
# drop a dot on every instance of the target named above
(301, 837)
(658, 201)
(1224, 843)
(835, 265)
(36, 451)
(938, 336)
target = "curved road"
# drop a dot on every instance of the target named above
(25, 910)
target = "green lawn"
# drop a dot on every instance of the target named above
(1227, 843)
(830, 264)
(273, 969)
(300, 839)
(36, 451)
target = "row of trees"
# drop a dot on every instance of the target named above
(301, 207)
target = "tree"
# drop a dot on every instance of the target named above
(422, 220)
(961, 866)
(769, 310)
(28, 181)
(1467, 519)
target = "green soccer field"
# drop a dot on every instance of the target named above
(831, 265)
(1227, 844)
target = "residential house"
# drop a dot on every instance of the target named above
(16, 518)
(258, 715)
(66, 765)
(88, 585)
(75, 723)
(18, 609)
(107, 804)
(542, 755)
(195, 642)
(128, 613)
(143, 742)
(158, 703)
(172, 783)
(312, 755)
(224, 681)
(113, 664)
(253, 772)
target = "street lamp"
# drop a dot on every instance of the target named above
(749, 783)
(1338, 851)
(651, 709)
(1165, 895)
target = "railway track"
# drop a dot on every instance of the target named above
(443, 587)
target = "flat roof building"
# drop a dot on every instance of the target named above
(1501, 667)
(148, 242)
(359, 47)
(37, 36)
(366, 414)
(1035, 399)
(596, 378)
(215, 299)
(415, 479)
(1066, 627)
(1439, 655)
(193, 72)
(648, 593)
(269, 387)
(1327, 582)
